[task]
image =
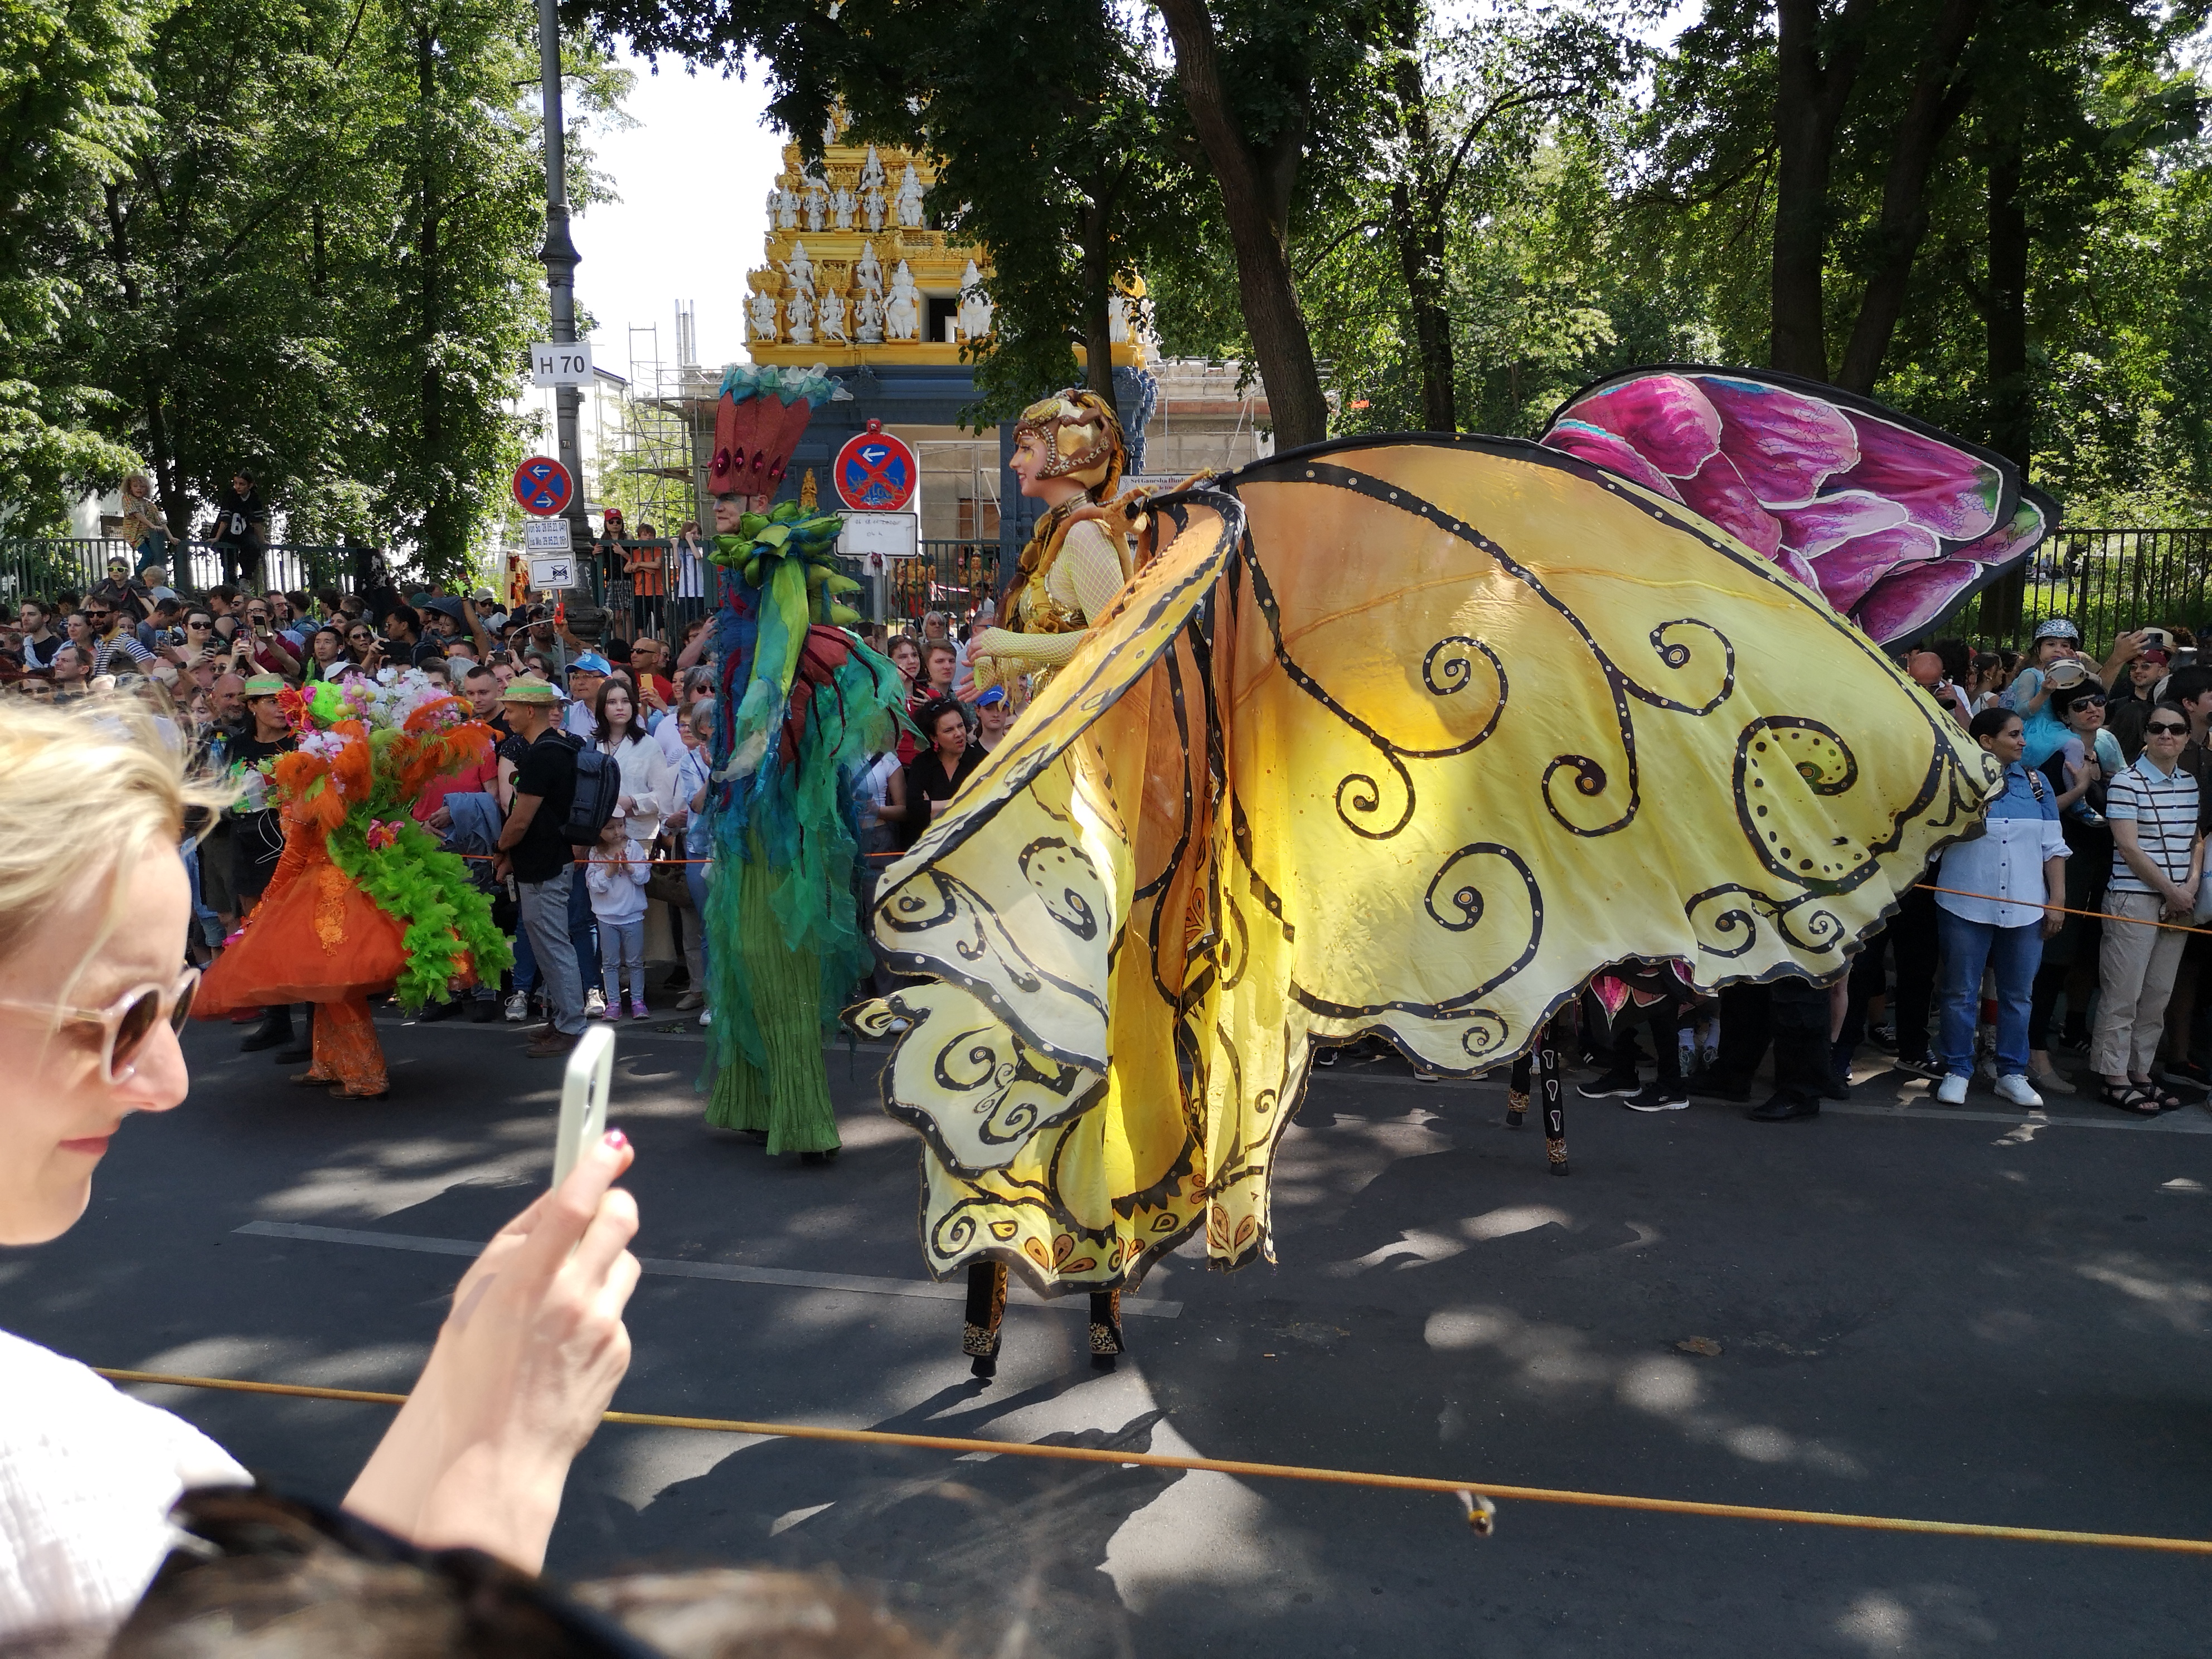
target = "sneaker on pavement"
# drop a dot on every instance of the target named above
(2015, 1088)
(605, 1011)
(1613, 1085)
(1952, 1091)
(1921, 1066)
(638, 1012)
(1659, 1097)
(595, 1003)
(706, 1016)
(689, 1000)
(550, 1044)
(518, 1008)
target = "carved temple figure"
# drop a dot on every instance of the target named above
(910, 199)
(869, 273)
(974, 317)
(816, 198)
(798, 267)
(787, 209)
(760, 311)
(873, 210)
(842, 207)
(799, 311)
(903, 314)
(833, 315)
(871, 171)
(868, 317)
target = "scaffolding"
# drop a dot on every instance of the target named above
(655, 471)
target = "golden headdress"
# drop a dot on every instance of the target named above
(1082, 438)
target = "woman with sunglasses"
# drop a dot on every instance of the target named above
(2078, 771)
(88, 1023)
(364, 650)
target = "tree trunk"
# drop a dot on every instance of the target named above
(1417, 209)
(1808, 102)
(1098, 299)
(438, 530)
(1277, 326)
(2012, 410)
(2012, 407)
(1933, 110)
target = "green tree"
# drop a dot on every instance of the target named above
(72, 102)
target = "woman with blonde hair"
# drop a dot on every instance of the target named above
(93, 804)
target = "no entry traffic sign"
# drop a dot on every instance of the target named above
(876, 472)
(543, 486)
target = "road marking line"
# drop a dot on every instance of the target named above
(853, 1284)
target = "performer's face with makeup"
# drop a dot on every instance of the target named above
(728, 510)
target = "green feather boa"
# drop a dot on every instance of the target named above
(427, 890)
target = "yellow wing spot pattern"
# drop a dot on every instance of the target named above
(1789, 775)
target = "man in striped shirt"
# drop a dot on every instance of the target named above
(2158, 859)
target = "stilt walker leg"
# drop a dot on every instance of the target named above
(987, 1307)
(1551, 1086)
(1516, 1092)
(1105, 1328)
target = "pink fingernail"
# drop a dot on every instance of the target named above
(617, 1139)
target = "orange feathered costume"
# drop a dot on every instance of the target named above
(316, 937)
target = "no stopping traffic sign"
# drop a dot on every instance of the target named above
(543, 486)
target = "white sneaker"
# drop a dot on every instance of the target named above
(595, 1003)
(706, 1016)
(518, 1008)
(2018, 1090)
(1952, 1091)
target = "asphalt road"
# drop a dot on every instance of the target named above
(1918, 1311)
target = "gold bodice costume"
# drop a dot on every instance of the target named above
(1081, 569)
(1076, 559)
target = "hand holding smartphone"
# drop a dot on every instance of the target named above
(584, 1091)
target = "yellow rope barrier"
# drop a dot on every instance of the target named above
(1266, 1471)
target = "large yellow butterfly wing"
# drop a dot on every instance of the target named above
(1402, 736)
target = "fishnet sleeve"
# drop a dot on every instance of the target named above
(1094, 569)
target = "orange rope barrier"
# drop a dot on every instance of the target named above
(1264, 1471)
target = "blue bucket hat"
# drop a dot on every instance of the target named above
(592, 663)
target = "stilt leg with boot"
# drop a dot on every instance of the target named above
(1105, 1329)
(1550, 1085)
(987, 1311)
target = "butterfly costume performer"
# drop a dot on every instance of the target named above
(804, 709)
(1413, 736)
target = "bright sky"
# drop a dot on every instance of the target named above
(693, 177)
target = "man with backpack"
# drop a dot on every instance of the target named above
(537, 847)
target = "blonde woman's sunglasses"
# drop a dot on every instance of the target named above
(126, 1023)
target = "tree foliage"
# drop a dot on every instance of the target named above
(307, 247)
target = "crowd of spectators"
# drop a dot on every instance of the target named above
(2075, 924)
(553, 680)
(2069, 927)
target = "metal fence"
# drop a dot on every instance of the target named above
(2104, 582)
(44, 569)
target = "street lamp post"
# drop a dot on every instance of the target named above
(559, 257)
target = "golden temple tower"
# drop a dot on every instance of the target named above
(854, 274)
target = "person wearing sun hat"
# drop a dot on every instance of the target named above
(531, 848)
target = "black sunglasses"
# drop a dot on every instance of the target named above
(2095, 700)
(2162, 729)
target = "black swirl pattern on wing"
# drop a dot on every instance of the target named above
(1447, 670)
(1591, 779)
(1048, 863)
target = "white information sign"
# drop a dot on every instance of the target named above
(547, 535)
(557, 364)
(553, 570)
(886, 535)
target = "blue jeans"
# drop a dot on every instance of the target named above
(2012, 954)
(695, 878)
(526, 961)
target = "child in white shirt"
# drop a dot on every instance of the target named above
(615, 879)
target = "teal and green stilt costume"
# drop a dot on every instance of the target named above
(805, 707)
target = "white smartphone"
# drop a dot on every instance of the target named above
(583, 1099)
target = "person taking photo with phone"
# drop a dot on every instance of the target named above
(93, 804)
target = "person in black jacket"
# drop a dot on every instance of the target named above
(241, 529)
(934, 776)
